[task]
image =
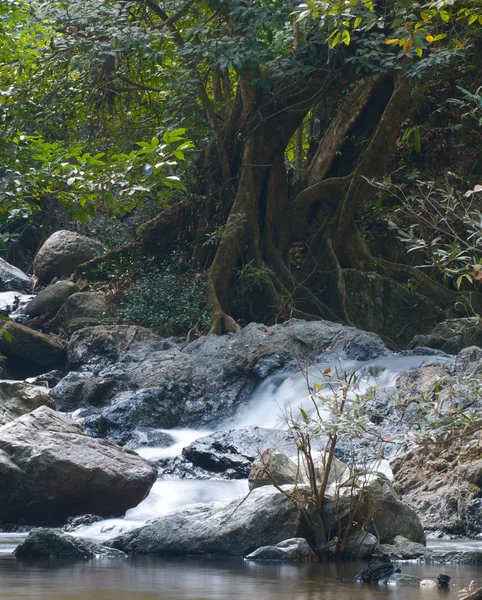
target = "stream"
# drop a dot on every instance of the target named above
(199, 579)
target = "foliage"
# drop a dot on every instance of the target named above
(166, 298)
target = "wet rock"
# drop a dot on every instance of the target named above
(234, 450)
(51, 470)
(402, 549)
(458, 557)
(74, 523)
(62, 253)
(273, 466)
(83, 309)
(31, 345)
(443, 485)
(50, 299)
(379, 570)
(443, 580)
(18, 398)
(13, 279)
(295, 549)
(49, 543)
(403, 579)
(48, 380)
(235, 528)
(452, 335)
(79, 390)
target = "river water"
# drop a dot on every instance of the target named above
(151, 578)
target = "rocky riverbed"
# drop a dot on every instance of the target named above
(205, 416)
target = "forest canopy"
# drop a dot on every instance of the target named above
(282, 148)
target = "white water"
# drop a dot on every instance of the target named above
(277, 396)
(14, 300)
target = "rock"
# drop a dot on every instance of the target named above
(469, 361)
(424, 382)
(235, 449)
(49, 543)
(443, 580)
(18, 398)
(295, 549)
(403, 579)
(428, 583)
(50, 299)
(82, 309)
(452, 335)
(361, 545)
(13, 279)
(44, 350)
(378, 571)
(273, 466)
(232, 528)
(458, 557)
(62, 253)
(50, 470)
(213, 376)
(402, 549)
(387, 516)
(47, 380)
(443, 485)
(78, 390)
(74, 523)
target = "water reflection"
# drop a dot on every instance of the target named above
(141, 578)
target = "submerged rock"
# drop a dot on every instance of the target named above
(378, 571)
(23, 342)
(49, 543)
(404, 579)
(18, 398)
(50, 470)
(295, 549)
(232, 528)
(62, 253)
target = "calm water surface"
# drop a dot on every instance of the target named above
(147, 578)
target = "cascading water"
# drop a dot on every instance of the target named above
(276, 397)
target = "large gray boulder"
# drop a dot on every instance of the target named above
(50, 299)
(235, 528)
(207, 381)
(83, 309)
(273, 466)
(49, 543)
(13, 279)
(62, 253)
(50, 470)
(23, 342)
(18, 398)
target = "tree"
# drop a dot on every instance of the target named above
(242, 81)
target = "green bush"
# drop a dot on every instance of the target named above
(172, 301)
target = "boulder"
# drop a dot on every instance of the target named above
(444, 486)
(273, 466)
(235, 449)
(13, 279)
(402, 549)
(82, 309)
(49, 543)
(50, 470)
(202, 383)
(361, 545)
(50, 299)
(62, 253)
(387, 516)
(379, 569)
(23, 342)
(295, 549)
(18, 398)
(452, 335)
(232, 528)
(79, 390)
(469, 361)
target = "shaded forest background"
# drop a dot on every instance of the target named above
(251, 160)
